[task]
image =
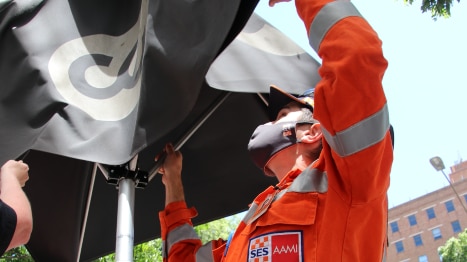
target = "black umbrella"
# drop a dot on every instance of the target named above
(75, 208)
(219, 177)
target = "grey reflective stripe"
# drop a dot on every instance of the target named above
(281, 194)
(250, 213)
(310, 180)
(327, 17)
(204, 253)
(362, 135)
(180, 233)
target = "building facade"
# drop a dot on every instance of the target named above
(417, 228)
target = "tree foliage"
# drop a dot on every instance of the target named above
(151, 251)
(17, 254)
(216, 229)
(455, 249)
(438, 8)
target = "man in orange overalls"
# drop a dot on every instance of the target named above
(330, 150)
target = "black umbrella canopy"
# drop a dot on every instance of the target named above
(74, 208)
(219, 178)
(89, 73)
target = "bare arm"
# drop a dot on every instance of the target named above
(171, 172)
(13, 177)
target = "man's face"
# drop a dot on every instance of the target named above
(291, 113)
(288, 113)
(272, 137)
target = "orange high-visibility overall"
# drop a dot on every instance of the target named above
(336, 209)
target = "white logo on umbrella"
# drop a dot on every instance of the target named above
(117, 54)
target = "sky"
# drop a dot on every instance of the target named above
(424, 85)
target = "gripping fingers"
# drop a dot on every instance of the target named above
(273, 2)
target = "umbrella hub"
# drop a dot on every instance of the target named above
(114, 174)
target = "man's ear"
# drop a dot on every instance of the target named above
(312, 134)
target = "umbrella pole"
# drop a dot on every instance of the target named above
(125, 223)
(126, 177)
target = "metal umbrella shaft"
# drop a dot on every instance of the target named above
(125, 178)
(125, 221)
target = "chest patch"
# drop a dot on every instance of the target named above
(276, 247)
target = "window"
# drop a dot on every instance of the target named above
(456, 226)
(399, 246)
(412, 220)
(394, 227)
(417, 239)
(430, 212)
(423, 258)
(436, 233)
(449, 206)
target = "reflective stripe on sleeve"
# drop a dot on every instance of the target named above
(330, 14)
(362, 135)
(180, 233)
(204, 253)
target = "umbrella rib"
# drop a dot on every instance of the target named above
(213, 107)
(261, 96)
(88, 203)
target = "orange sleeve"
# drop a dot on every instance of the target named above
(351, 105)
(181, 243)
(175, 214)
